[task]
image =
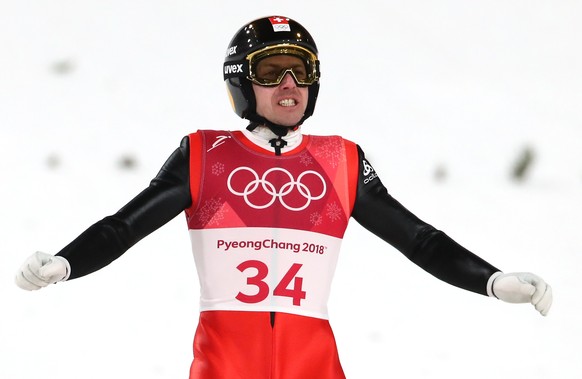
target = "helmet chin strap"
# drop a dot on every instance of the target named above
(279, 130)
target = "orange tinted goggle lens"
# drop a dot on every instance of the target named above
(269, 66)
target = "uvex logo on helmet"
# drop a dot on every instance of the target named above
(233, 69)
(231, 51)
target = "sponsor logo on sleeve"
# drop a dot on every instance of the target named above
(369, 173)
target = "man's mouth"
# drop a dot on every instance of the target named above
(287, 103)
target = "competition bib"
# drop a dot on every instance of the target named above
(266, 230)
(265, 269)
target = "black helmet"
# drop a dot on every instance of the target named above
(263, 37)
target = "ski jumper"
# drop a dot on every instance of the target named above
(266, 232)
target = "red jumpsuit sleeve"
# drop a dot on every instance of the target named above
(431, 249)
(167, 195)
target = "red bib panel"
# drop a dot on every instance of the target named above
(241, 186)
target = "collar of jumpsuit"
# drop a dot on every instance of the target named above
(262, 136)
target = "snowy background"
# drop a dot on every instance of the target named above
(444, 97)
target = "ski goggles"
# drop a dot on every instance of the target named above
(266, 69)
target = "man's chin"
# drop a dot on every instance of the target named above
(287, 122)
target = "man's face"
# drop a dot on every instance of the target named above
(283, 104)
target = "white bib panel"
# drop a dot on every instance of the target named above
(265, 269)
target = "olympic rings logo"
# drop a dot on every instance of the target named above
(270, 189)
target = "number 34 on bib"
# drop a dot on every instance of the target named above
(290, 285)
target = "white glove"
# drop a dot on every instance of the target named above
(41, 269)
(521, 287)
